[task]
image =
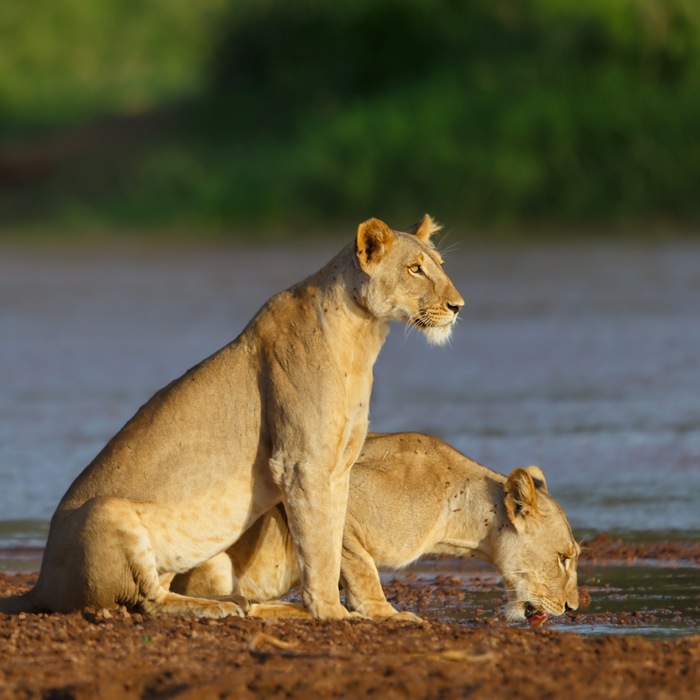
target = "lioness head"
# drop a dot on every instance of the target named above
(536, 553)
(403, 279)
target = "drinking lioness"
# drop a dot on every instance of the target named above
(411, 495)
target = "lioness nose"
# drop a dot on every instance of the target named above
(455, 308)
(568, 608)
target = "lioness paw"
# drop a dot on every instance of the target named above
(358, 615)
(329, 612)
(223, 609)
(406, 616)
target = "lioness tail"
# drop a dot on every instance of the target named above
(18, 603)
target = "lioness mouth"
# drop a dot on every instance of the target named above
(534, 617)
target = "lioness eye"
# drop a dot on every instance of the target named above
(415, 269)
(563, 560)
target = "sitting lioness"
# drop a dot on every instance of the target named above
(278, 415)
(412, 495)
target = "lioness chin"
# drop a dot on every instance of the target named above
(278, 415)
(412, 495)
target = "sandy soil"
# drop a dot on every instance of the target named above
(101, 654)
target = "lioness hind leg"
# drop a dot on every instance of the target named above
(102, 556)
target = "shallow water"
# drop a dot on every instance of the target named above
(652, 599)
(655, 601)
(583, 359)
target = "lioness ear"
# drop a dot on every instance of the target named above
(374, 239)
(425, 228)
(521, 499)
(538, 478)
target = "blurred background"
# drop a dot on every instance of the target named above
(274, 118)
(174, 154)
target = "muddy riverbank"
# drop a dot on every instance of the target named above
(127, 655)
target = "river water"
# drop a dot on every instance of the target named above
(584, 359)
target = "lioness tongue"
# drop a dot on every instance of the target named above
(536, 619)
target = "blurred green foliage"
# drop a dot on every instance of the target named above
(62, 62)
(494, 112)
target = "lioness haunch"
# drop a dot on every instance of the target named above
(278, 415)
(412, 495)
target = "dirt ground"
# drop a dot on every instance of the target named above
(101, 654)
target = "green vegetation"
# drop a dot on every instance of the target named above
(63, 62)
(493, 112)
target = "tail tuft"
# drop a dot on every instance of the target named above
(18, 603)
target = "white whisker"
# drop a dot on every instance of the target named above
(408, 329)
(446, 250)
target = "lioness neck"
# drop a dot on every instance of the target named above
(336, 292)
(476, 511)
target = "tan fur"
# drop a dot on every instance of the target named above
(278, 415)
(412, 495)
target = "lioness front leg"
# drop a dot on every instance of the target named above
(316, 503)
(362, 585)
